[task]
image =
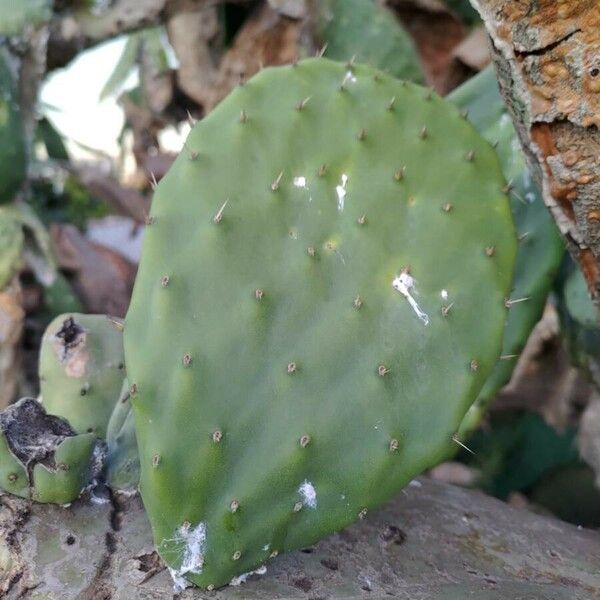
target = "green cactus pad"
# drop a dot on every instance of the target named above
(368, 33)
(578, 301)
(320, 298)
(82, 370)
(122, 460)
(540, 247)
(579, 322)
(12, 143)
(42, 458)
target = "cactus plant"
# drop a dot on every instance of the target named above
(122, 460)
(82, 370)
(540, 247)
(320, 298)
(42, 458)
(371, 34)
(12, 143)
(579, 320)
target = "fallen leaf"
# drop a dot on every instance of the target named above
(101, 277)
(265, 39)
(474, 51)
(436, 32)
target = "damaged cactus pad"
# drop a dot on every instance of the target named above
(82, 370)
(321, 297)
(42, 458)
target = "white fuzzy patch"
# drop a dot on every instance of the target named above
(179, 582)
(242, 578)
(340, 190)
(444, 294)
(405, 284)
(308, 493)
(194, 542)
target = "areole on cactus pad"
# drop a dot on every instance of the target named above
(320, 298)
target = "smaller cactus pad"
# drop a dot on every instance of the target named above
(366, 32)
(82, 369)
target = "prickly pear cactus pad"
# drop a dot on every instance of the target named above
(319, 300)
(540, 248)
(42, 458)
(82, 370)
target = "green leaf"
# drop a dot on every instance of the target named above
(52, 140)
(124, 66)
(517, 451)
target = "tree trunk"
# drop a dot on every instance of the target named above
(433, 541)
(547, 56)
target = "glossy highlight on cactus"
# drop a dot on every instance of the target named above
(82, 369)
(314, 312)
(42, 458)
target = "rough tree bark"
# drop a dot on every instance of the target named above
(547, 56)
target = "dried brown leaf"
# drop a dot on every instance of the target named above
(266, 39)
(102, 278)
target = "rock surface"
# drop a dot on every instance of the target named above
(434, 541)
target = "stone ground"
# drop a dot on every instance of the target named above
(434, 541)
